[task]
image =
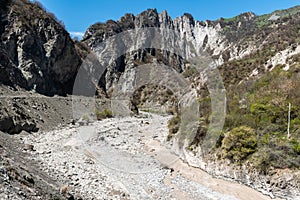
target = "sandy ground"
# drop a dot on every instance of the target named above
(125, 158)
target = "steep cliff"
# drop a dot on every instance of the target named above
(36, 54)
(222, 40)
(36, 51)
(225, 40)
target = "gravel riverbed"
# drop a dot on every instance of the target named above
(125, 158)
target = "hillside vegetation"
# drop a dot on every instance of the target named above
(256, 123)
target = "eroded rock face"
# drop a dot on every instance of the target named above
(36, 51)
(194, 38)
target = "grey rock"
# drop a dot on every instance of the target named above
(28, 147)
(6, 123)
(13, 125)
(36, 52)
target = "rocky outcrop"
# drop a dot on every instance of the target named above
(225, 40)
(12, 125)
(36, 51)
(31, 112)
(37, 54)
(195, 37)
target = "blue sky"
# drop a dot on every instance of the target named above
(78, 15)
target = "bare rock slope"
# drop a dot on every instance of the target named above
(35, 49)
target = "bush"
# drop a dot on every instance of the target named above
(295, 146)
(239, 143)
(173, 126)
(103, 114)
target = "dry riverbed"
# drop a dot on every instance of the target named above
(125, 158)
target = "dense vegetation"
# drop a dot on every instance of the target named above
(262, 105)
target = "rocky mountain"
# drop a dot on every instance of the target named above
(225, 40)
(37, 52)
(243, 47)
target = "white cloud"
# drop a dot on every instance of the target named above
(77, 34)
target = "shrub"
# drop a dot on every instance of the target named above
(103, 114)
(173, 126)
(239, 143)
(295, 146)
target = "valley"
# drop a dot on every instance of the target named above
(149, 107)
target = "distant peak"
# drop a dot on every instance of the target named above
(149, 11)
(148, 18)
(126, 17)
(164, 13)
(189, 16)
(247, 15)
